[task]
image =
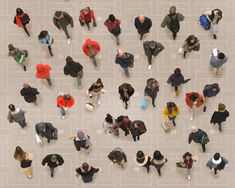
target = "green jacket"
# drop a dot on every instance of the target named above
(63, 22)
(167, 20)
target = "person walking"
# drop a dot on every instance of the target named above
(18, 55)
(91, 48)
(217, 162)
(64, 101)
(53, 161)
(45, 39)
(176, 79)
(22, 19)
(117, 156)
(47, 130)
(125, 60)
(137, 128)
(74, 69)
(29, 93)
(43, 72)
(190, 44)
(210, 90)
(126, 91)
(198, 136)
(16, 115)
(86, 172)
(86, 16)
(143, 25)
(151, 89)
(81, 141)
(220, 116)
(110, 125)
(61, 20)
(171, 111)
(95, 90)
(214, 16)
(158, 161)
(143, 160)
(172, 21)
(217, 60)
(152, 49)
(113, 26)
(25, 160)
(124, 123)
(193, 100)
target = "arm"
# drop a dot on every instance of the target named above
(60, 159)
(69, 18)
(124, 157)
(93, 16)
(180, 17)
(106, 22)
(135, 23)
(72, 137)
(44, 161)
(164, 22)
(56, 23)
(165, 113)
(190, 139)
(160, 47)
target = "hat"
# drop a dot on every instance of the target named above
(81, 135)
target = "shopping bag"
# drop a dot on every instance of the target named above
(143, 103)
(166, 126)
(89, 107)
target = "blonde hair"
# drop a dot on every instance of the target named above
(20, 154)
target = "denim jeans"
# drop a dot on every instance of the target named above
(126, 71)
(79, 78)
(49, 81)
(214, 28)
(93, 60)
(66, 32)
(62, 110)
(22, 123)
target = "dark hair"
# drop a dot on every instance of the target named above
(19, 11)
(11, 47)
(177, 71)
(42, 34)
(112, 18)
(11, 107)
(157, 155)
(120, 119)
(191, 37)
(99, 80)
(117, 155)
(67, 97)
(172, 10)
(53, 157)
(187, 154)
(69, 59)
(221, 55)
(221, 106)
(216, 156)
(58, 13)
(85, 166)
(194, 97)
(170, 106)
(109, 118)
(140, 155)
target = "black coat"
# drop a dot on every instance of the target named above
(72, 68)
(121, 156)
(125, 61)
(130, 91)
(143, 28)
(24, 19)
(47, 160)
(87, 176)
(45, 129)
(176, 80)
(29, 94)
(81, 143)
(219, 117)
(158, 47)
(196, 137)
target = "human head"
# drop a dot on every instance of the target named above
(109, 118)
(194, 97)
(19, 153)
(86, 10)
(19, 11)
(42, 35)
(221, 107)
(141, 18)
(67, 97)
(59, 14)
(53, 158)
(216, 156)
(85, 167)
(39, 67)
(157, 155)
(219, 13)
(152, 44)
(140, 155)
(120, 119)
(112, 18)
(26, 85)
(120, 53)
(170, 106)
(177, 71)
(98, 82)
(220, 55)
(172, 10)
(187, 155)
(80, 135)
(191, 38)
(11, 107)
(194, 129)
(11, 47)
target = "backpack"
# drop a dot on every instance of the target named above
(174, 25)
(205, 139)
(204, 22)
(211, 90)
(221, 165)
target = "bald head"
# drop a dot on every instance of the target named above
(141, 18)
(25, 85)
(194, 129)
(121, 53)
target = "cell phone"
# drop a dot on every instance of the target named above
(215, 52)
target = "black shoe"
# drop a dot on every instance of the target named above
(24, 67)
(154, 106)
(52, 175)
(174, 124)
(159, 173)
(174, 36)
(215, 37)
(184, 54)
(141, 37)
(204, 109)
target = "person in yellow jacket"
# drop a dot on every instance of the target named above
(171, 110)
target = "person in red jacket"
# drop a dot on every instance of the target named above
(86, 16)
(113, 26)
(64, 101)
(193, 99)
(43, 72)
(22, 19)
(91, 49)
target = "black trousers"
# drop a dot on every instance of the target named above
(26, 30)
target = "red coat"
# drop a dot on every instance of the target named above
(89, 16)
(62, 103)
(43, 71)
(190, 103)
(92, 43)
(112, 25)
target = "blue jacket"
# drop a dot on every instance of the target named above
(47, 40)
(216, 63)
(210, 164)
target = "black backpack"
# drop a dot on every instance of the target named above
(174, 25)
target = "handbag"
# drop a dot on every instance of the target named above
(181, 165)
(25, 163)
(89, 107)
(181, 50)
(10, 118)
(166, 126)
(143, 103)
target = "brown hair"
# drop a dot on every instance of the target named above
(221, 107)
(20, 154)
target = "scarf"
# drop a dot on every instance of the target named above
(18, 20)
(217, 162)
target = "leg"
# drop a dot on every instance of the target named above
(126, 105)
(138, 137)
(204, 147)
(159, 172)
(79, 78)
(88, 25)
(117, 40)
(174, 36)
(98, 98)
(27, 171)
(184, 55)
(123, 127)
(50, 50)
(173, 121)
(49, 81)
(126, 71)
(220, 127)
(134, 138)
(22, 123)
(153, 102)
(189, 173)
(205, 103)
(148, 166)
(26, 30)
(217, 71)
(193, 113)
(150, 61)
(141, 36)
(213, 27)
(52, 170)
(62, 112)
(66, 32)
(93, 60)
(176, 91)
(215, 171)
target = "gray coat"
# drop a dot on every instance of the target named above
(210, 164)
(158, 48)
(216, 63)
(19, 116)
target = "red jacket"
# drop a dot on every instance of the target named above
(62, 103)
(190, 103)
(112, 25)
(92, 43)
(43, 71)
(89, 16)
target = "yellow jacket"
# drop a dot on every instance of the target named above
(174, 113)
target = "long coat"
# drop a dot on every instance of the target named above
(130, 91)
(158, 47)
(29, 94)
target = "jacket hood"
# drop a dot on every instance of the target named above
(39, 68)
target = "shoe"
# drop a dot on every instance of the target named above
(215, 174)
(52, 175)
(174, 36)
(177, 93)
(191, 119)
(217, 73)
(36, 103)
(24, 67)
(215, 37)
(98, 102)
(29, 176)
(204, 109)
(68, 41)
(141, 37)
(63, 117)
(184, 54)
(189, 177)
(154, 106)
(174, 124)
(149, 67)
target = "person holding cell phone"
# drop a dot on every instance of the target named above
(217, 59)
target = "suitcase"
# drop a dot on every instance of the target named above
(166, 126)
(204, 22)
(89, 107)
(143, 103)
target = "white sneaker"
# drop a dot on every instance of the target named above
(63, 117)
(217, 73)
(189, 177)
(149, 67)
(191, 119)
(68, 41)
(29, 176)
(98, 102)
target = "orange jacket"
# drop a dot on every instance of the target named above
(43, 71)
(62, 103)
(92, 43)
(190, 103)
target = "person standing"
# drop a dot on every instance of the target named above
(91, 48)
(53, 160)
(124, 123)
(43, 72)
(190, 44)
(126, 91)
(110, 125)
(74, 69)
(62, 20)
(198, 136)
(64, 101)
(29, 93)
(81, 141)
(220, 116)
(24, 159)
(47, 130)
(118, 156)
(152, 49)
(143, 160)
(87, 172)
(171, 111)
(214, 16)
(125, 60)
(188, 160)
(45, 39)
(18, 55)
(22, 19)
(158, 161)
(176, 79)
(137, 128)
(86, 16)
(210, 90)
(217, 163)
(16, 115)
(113, 26)
(95, 90)
(143, 25)
(172, 21)
(151, 89)
(217, 60)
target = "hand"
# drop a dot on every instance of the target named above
(94, 24)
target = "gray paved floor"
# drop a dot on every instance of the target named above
(172, 145)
